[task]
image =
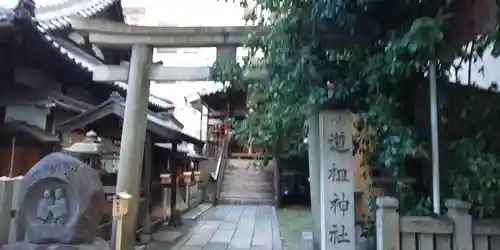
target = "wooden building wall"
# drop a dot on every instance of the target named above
(21, 161)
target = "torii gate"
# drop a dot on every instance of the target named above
(138, 75)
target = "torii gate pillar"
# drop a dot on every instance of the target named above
(132, 140)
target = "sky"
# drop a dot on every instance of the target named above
(188, 13)
(192, 12)
(8, 3)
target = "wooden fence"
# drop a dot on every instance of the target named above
(455, 230)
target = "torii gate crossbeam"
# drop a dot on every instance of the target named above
(115, 34)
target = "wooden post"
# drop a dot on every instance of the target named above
(175, 219)
(146, 184)
(167, 184)
(387, 222)
(12, 156)
(458, 211)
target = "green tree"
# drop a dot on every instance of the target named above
(375, 55)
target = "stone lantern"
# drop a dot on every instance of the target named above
(88, 150)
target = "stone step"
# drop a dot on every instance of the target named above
(263, 186)
(250, 195)
(239, 183)
(262, 176)
(248, 180)
(243, 183)
(247, 171)
(247, 189)
(247, 168)
(245, 201)
(244, 163)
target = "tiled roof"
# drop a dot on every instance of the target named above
(54, 15)
(205, 91)
(160, 102)
(49, 3)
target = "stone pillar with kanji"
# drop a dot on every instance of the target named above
(336, 180)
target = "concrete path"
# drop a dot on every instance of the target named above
(238, 227)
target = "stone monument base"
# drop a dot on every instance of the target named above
(98, 244)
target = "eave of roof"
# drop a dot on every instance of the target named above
(37, 133)
(55, 15)
(181, 148)
(156, 125)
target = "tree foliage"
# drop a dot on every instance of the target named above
(375, 55)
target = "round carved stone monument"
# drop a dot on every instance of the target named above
(61, 200)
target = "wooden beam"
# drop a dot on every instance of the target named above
(115, 34)
(162, 74)
(156, 73)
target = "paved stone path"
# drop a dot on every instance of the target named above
(237, 227)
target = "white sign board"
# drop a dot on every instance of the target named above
(336, 180)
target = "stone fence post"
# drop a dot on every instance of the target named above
(458, 211)
(6, 194)
(387, 222)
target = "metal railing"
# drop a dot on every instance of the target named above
(218, 175)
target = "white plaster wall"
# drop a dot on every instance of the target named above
(32, 115)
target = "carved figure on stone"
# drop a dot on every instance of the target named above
(60, 201)
(59, 209)
(43, 211)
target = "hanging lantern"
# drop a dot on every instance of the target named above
(187, 177)
(166, 178)
(197, 175)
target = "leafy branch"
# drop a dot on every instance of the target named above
(378, 70)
